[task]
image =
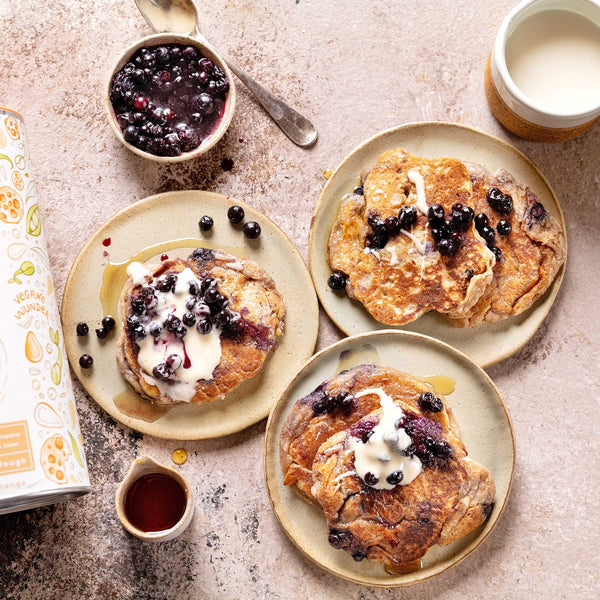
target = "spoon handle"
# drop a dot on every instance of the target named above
(298, 128)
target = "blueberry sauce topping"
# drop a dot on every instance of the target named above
(340, 538)
(108, 323)
(86, 361)
(537, 212)
(168, 99)
(407, 217)
(82, 329)
(324, 403)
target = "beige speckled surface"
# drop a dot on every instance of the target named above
(355, 68)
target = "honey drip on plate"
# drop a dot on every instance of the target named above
(179, 456)
(365, 355)
(115, 274)
(131, 405)
(441, 384)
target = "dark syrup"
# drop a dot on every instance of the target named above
(155, 502)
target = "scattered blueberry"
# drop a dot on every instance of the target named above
(173, 361)
(251, 230)
(101, 333)
(358, 556)
(180, 332)
(206, 223)
(392, 225)
(154, 329)
(360, 190)
(235, 214)
(138, 332)
(82, 329)
(86, 361)
(337, 280)
(481, 220)
(162, 372)
(189, 319)
(488, 234)
(108, 323)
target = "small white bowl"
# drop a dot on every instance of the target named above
(142, 466)
(510, 105)
(209, 52)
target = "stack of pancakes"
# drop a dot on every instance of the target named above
(397, 527)
(409, 277)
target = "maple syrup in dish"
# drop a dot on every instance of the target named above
(155, 502)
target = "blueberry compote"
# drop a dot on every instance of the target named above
(168, 99)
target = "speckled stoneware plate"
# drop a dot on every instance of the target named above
(485, 344)
(479, 409)
(168, 224)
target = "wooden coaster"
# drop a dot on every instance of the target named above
(521, 127)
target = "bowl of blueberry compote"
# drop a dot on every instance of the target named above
(170, 97)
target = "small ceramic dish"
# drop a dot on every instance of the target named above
(487, 343)
(145, 465)
(207, 51)
(486, 431)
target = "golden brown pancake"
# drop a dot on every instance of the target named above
(408, 276)
(252, 297)
(532, 252)
(447, 500)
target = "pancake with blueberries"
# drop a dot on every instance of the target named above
(333, 406)
(404, 243)
(194, 329)
(397, 525)
(528, 242)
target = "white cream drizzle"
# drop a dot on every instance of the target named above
(382, 458)
(416, 178)
(138, 273)
(203, 351)
(419, 245)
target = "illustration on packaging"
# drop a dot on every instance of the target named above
(40, 441)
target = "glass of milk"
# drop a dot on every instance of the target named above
(543, 75)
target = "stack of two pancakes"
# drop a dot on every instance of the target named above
(409, 277)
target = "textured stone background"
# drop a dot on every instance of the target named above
(355, 68)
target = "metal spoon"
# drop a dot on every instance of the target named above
(181, 16)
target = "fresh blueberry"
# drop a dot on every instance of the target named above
(504, 227)
(235, 214)
(203, 326)
(435, 213)
(481, 220)
(162, 372)
(497, 252)
(371, 479)
(180, 332)
(206, 223)
(101, 333)
(82, 329)
(108, 323)
(360, 190)
(337, 280)
(86, 361)
(154, 329)
(392, 225)
(189, 319)
(488, 234)
(251, 230)
(448, 247)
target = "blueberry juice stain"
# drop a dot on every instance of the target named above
(155, 502)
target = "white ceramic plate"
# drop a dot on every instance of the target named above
(478, 407)
(485, 344)
(148, 224)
